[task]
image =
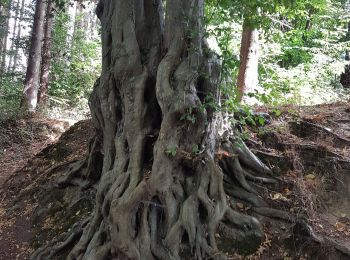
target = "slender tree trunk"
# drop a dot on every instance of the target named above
(308, 26)
(345, 76)
(18, 38)
(78, 23)
(31, 86)
(348, 32)
(247, 80)
(3, 28)
(93, 21)
(85, 20)
(46, 55)
(13, 40)
(3, 49)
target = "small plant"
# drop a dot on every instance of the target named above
(277, 112)
(261, 120)
(171, 151)
(189, 116)
(245, 136)
(195, 149)
(293, 112)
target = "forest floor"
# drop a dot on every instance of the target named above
(21, 139)
(307, 147)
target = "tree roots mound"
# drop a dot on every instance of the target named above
(162, 194)
(190, 214)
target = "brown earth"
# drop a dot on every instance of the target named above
(24, 144)
(307, 147)
(310, 147)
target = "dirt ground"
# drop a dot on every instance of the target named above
(310, 148)
(24, 144)
(307, 147)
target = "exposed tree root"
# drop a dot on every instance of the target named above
(48, 252)
(307, 129)
(84, 172)
(203, 212)
(248, 158)
(274, 213)
(307, 237)
(34, 185)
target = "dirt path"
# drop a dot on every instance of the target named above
(20, 141)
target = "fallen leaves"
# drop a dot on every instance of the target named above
(287, 192)
(340, 226)
(239, 205)
(310, 177)
(278, 196)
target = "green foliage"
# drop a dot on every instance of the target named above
(171, 151)
(302, 42)
(10, 95)
(277, 112)
(195, 149)
(75, 64)
(189, 116)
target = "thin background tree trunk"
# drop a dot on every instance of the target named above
(78, 23)
(3, 49)
(13, 40)
(31, 86)
(18, 38)
(247, 80)
(46, 55)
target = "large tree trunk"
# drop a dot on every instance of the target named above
(161, 193)
(247, 80)
(46, 55)
(31, 85)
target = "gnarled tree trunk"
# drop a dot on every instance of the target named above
(161, 192)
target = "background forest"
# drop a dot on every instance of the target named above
(299, 54)
(70, 53)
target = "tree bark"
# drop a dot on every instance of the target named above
(162, 190)
(31, 85)
(13, 40)
(93, 22)
(78, 30)
(247, 80)
(46, 55)
(145, 195)
(18, 38)
(3, 43)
